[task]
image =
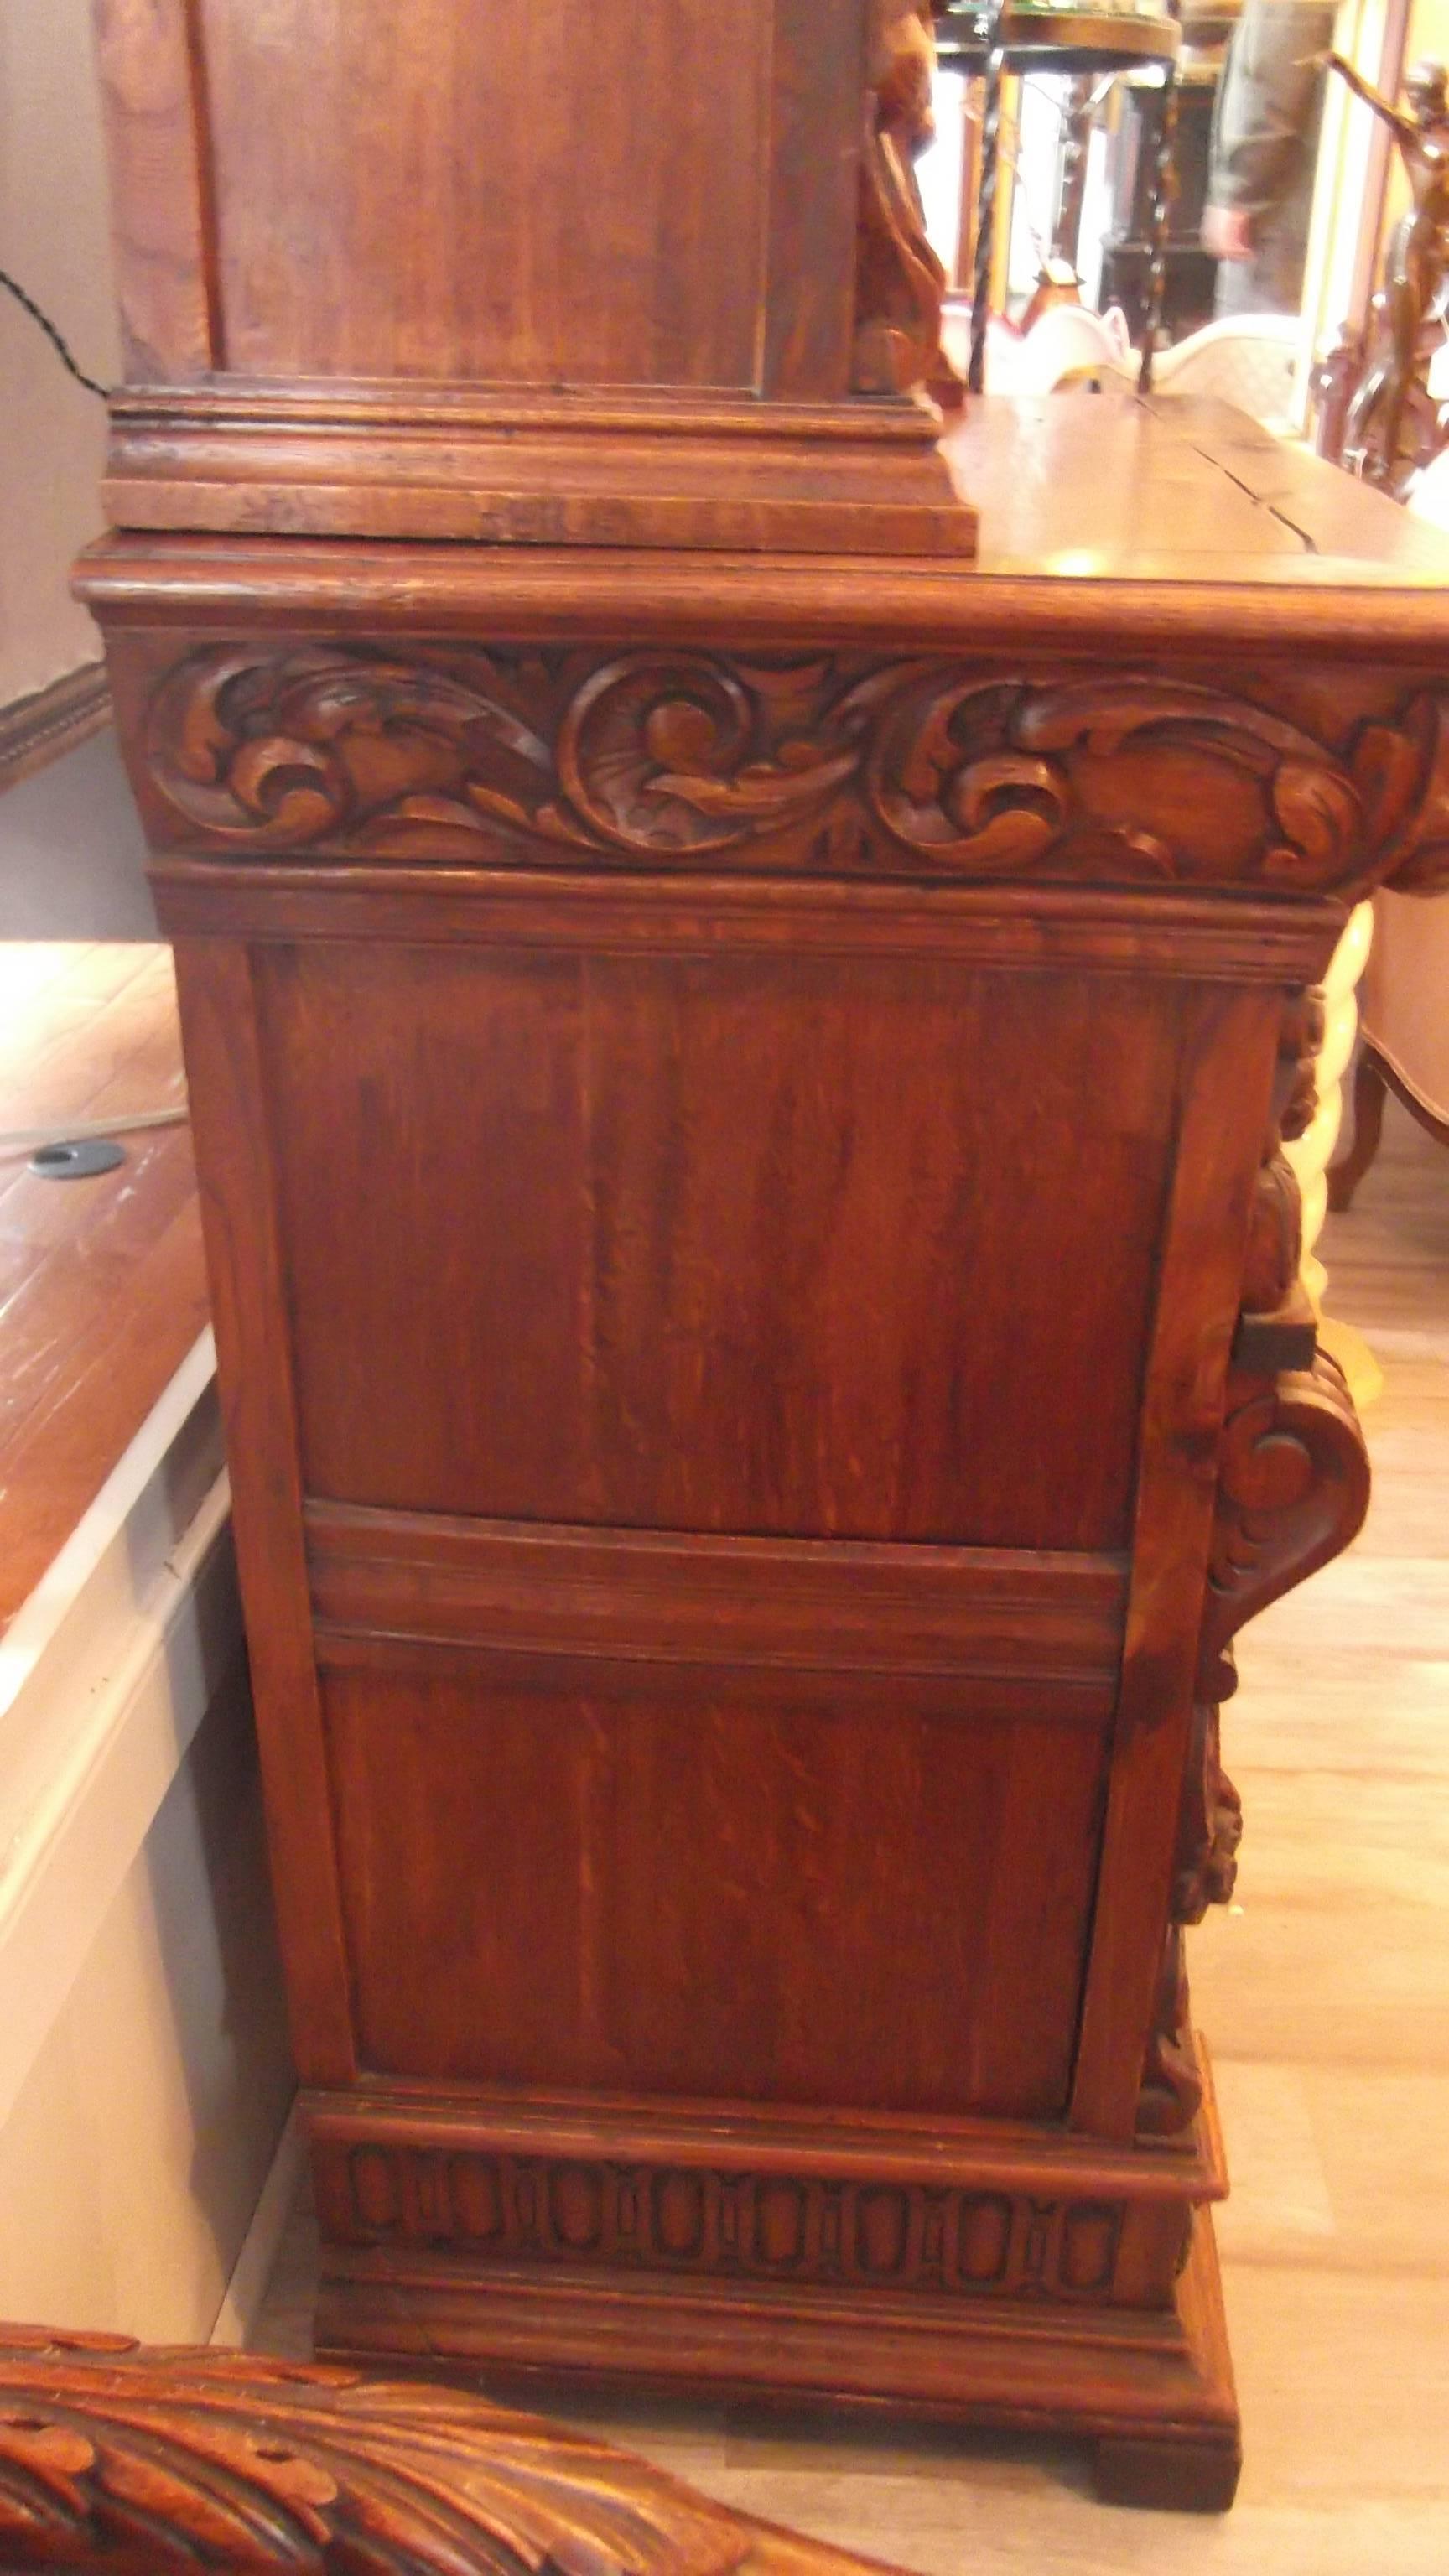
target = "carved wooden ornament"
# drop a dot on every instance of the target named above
(146, 2462)
(841, 764)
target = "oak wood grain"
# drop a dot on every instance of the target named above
(238, 1214)
(730, 1043)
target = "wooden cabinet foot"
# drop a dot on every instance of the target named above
(1181, 2476)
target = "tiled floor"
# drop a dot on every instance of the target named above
(1325, 1989)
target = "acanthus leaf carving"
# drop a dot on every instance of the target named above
(1209, 1830)
(147, 2462)
(1402, 771)
(841, 764)
(1171, 2092)
(1210, 1824)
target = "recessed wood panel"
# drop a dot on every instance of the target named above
(775, 1245)
(541, 192)
(737, 1894)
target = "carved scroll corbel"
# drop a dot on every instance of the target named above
(1292, 1490)
(1293, 1486)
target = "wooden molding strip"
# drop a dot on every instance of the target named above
(954, 2149)
(1159, 2376)
(794, 1604)
(52, 721)
(1331, 606)
(1086, 929)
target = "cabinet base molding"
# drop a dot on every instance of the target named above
(739, 477)
(1038, 2282)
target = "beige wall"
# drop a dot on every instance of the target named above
(53, 238)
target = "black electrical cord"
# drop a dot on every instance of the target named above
(28, 305)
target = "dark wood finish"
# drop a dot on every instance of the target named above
(143, 2462)
(735, 1837)
(441, 282)
(153, 84)
(230, 1123)
(740, 1104)
(625, 1364)
(798, 1606)
(1198, 1276)
(495, 242)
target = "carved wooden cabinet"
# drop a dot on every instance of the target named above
(739, 1062)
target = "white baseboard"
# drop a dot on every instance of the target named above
(246, 2291)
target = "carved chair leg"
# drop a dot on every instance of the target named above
(1369, 1094)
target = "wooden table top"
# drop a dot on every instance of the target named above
(1107, 485)
(102, 1288)
(1107, 522)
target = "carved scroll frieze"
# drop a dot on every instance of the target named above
(799, 2228)
(834, 764)
(1293, 1483)
(145, 2463)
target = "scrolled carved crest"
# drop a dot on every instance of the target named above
(150, 2463)
(835, 764)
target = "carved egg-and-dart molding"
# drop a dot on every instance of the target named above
(841, 764)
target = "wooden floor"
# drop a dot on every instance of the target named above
(102, 1287)
(1325, 1994)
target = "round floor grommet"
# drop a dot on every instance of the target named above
(77, 1161)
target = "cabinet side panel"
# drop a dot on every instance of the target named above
(235, 1178)
(552, 193)
(819, 84)
(161, 210)
(770, 1244)
(722, 1886)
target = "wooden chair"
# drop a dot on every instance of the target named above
(143, 2462)
(1404, 998)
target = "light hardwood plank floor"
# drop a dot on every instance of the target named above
(1324, 1991)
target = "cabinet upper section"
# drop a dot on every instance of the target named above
(465, 226)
